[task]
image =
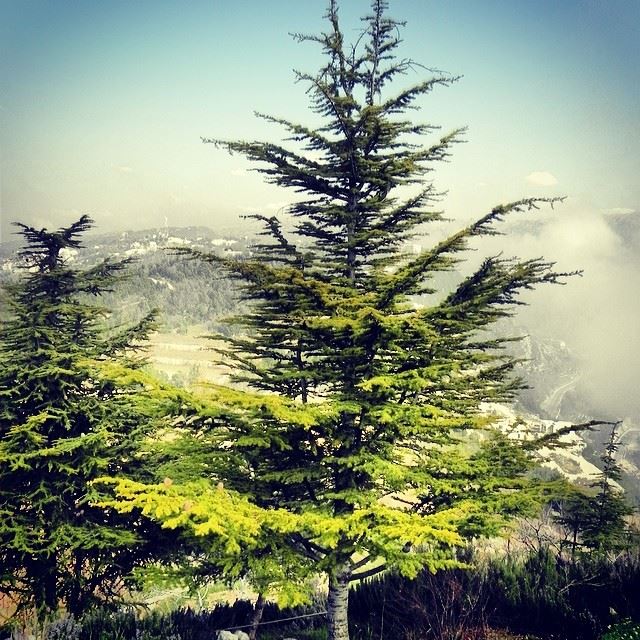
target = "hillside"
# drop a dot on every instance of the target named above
(194, 299)
(186, 292)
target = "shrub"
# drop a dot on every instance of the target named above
(626, 630)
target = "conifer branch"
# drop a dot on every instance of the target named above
(401, 102)
(440, 257)
(553, 439)
(369, 573)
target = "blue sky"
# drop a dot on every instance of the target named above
(102, 104)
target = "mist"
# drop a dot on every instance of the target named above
(594, 314)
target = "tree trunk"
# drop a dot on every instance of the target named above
(338, 603)
(42, 575)
(258, 610)
(75, 595)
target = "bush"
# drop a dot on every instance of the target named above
(449, 605)
(547, 595)
(539, 594)
(185, 624)
(627, 630)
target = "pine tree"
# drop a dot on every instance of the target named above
(610, 529)
(596, 518)
(347, 443)
(67, 416)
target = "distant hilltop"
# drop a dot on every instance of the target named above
(136, 243)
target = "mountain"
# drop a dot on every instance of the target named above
(557, 395)
(568, 459)
(194, 298)
(626, 225)
(187, 292)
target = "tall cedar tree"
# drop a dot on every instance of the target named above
(342, 447)
(66, 417)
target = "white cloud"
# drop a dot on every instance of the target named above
(124, 169)
(276, 206)
(542, 179)
(238, 172)
(618, 211)
(279, 207)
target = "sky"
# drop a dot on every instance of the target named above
(103, 106)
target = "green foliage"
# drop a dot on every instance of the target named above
(183, 624)
(70, 411)
(535, 593)
(545, 594)
(627, 630)
(345, 434)
(189, 293)
(596, 520)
